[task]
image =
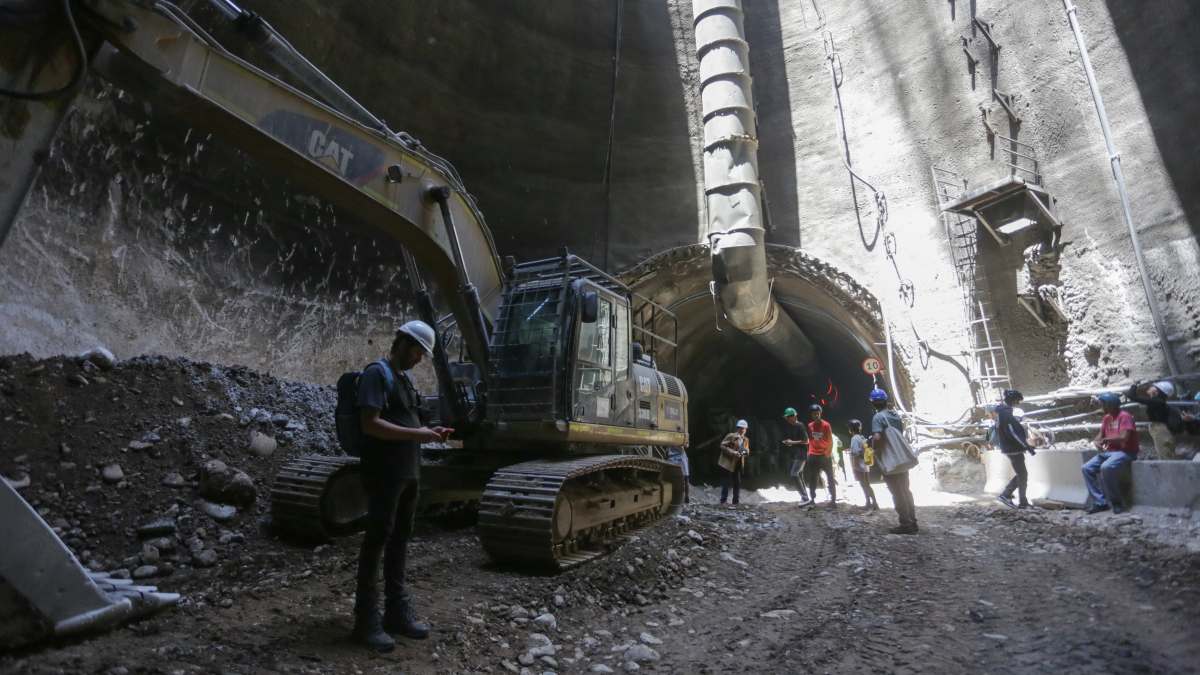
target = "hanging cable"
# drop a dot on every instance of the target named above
(612, 127)
(836, 76)
(81, 65)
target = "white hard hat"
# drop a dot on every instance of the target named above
(1166, 388)
(742, 424)
(420, 332)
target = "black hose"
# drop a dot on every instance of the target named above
(81, 66)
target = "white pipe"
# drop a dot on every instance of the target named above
(732, 189)
(1114, 158)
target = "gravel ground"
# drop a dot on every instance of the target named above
(763, 587)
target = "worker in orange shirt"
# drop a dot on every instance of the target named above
(820, 454)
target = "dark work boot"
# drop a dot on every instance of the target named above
(368, 631)
(399, 619)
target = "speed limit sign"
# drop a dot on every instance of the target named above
(872, 365)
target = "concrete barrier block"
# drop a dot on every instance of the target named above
(1166, 484)
(1053, 474)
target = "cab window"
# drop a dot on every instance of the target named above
(594, 365)
(621, 340)
(595, 339)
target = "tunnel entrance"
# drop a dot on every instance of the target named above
(729, 376)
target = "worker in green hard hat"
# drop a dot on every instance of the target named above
(795, 441)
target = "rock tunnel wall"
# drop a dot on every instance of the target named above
(152, 237)
(910, 101)
(149, 237)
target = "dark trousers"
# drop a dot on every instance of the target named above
(796, 473)
(812, 470)
(731, 479)
(902, 497)
(1020, 481)
(391, 510)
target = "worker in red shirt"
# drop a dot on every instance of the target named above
(1118, 445)
(820, 450)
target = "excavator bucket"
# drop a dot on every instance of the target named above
(45, 592)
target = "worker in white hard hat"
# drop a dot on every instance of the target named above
(734, 450)
(389, 415)
(1165, 421)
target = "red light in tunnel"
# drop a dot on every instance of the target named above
(831, 391)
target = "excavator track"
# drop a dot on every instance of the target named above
(317, 497)
(560, 513)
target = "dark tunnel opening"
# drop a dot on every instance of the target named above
(729, 376)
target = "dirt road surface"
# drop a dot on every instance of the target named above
(762, 588)
(769, 588)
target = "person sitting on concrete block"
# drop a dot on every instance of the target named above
(1118, 445)
(1165, 421)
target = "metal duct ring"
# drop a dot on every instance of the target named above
(881, 208)
(908, 292)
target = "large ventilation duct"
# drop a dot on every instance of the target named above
(731, 186)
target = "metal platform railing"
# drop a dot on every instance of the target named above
(1021, 157)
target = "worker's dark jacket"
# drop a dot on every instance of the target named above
(1009, 432)
(1157, 410)
(400, 460)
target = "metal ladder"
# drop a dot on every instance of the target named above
(989, 359)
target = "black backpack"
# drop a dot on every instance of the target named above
(346, 418)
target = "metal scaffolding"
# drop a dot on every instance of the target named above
(988, 362)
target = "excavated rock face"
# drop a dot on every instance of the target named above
(152, 237)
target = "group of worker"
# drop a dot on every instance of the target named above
(1118, 443)
(392, 429)
(813, 446)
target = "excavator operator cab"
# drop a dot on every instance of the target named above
(562, 356)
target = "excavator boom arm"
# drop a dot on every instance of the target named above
(372, 173)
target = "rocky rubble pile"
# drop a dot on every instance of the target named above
(153, 466)
(533, 627)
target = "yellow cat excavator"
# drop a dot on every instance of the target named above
(562, 411)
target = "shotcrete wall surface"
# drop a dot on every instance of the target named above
(149, 236)
(909, 101)
(519, 96)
